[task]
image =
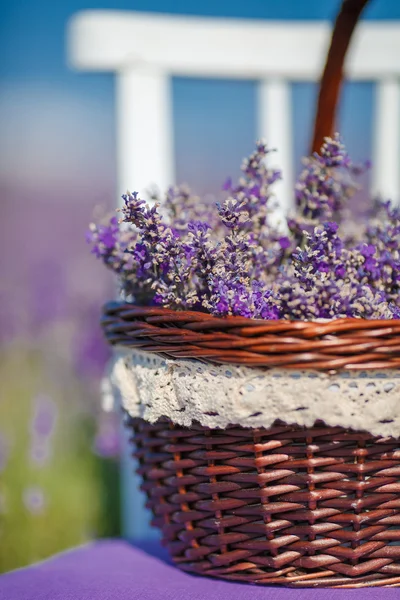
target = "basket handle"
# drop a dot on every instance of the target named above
(332, 77)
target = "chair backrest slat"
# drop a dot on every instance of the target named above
(274, 110)
(386, 144)
(144, 130)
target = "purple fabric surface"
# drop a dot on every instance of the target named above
(114, 570)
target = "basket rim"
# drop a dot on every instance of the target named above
(323, 325)
(337, 344)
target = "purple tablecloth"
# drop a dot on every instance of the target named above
(114, 570)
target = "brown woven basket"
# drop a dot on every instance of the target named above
(287, 505)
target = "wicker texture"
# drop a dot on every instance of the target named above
(286, 505)
(329, 346)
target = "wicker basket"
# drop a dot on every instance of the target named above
(288, 505)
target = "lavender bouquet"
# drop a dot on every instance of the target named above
(229, 258)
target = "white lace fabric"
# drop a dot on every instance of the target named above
(188, 391)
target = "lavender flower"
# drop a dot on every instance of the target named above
(111, 244)
(321, 256)
(383, 265)
(182, 207)
(253, 193)
(332, 281)
(202, 256)
(229, 259)
(133, 209)
(230, 298)
(333, 153)
(257, 176)
(324, 188)
(233, 213)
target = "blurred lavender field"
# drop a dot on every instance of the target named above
(59, 467)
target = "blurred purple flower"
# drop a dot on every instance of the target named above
(40, 452)
(104, 237)
(34, 500)
(90, 352)
(4, 451)
(333, 153)
(284, 242)
(107, 441)
(324, 188)
(48, 293)
(44, 416)
(112, 244)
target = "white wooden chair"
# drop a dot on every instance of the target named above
(145, 51)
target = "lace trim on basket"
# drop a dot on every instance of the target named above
(185, 391)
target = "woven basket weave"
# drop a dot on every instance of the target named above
(289, 505)
(286, 505)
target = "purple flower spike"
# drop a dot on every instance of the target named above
(323, 188)
(233, 213)
(103, 238)
(333, 153)
(132, 209)
(34, 500)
